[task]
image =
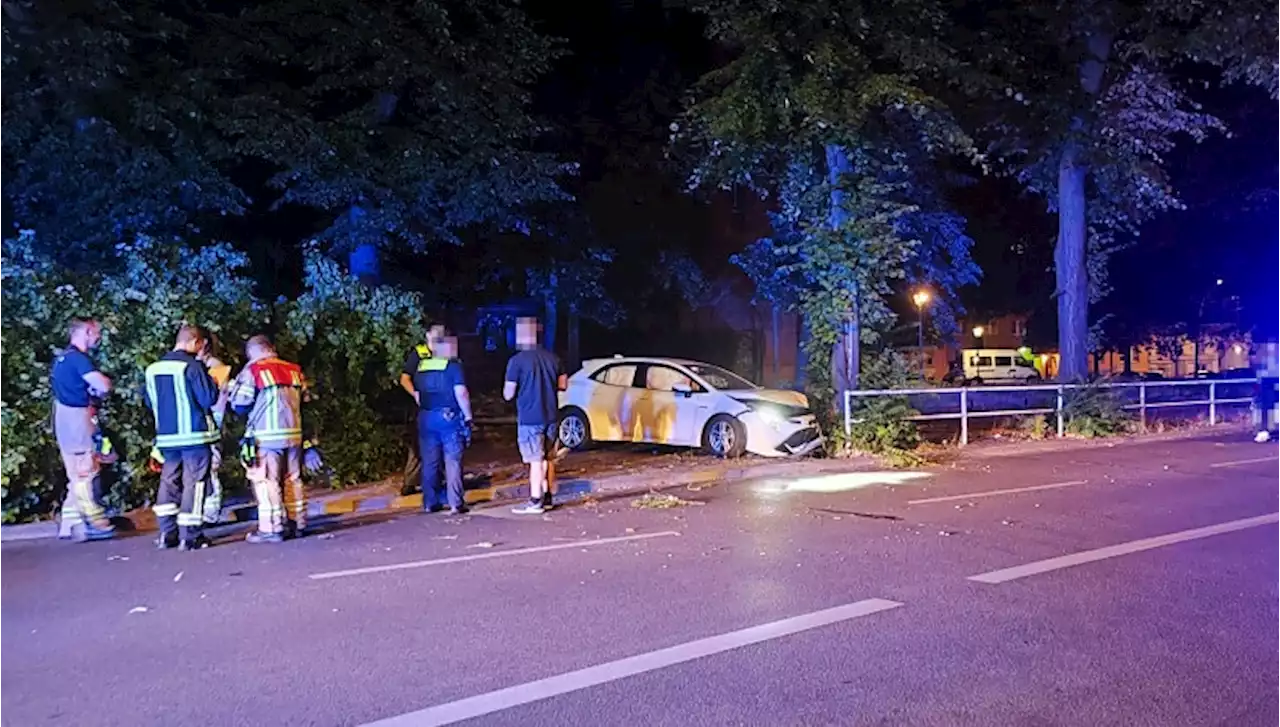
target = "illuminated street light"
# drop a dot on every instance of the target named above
(1219, 281)
(978, 331)
(920, 298)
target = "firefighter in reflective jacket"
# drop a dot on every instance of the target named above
(181, 396)
(269, 392)
(444, 424)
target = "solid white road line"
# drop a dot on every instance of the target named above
(1005, 575)
(485, 556)
(993, 493)
(1238, 462)
(591, 676)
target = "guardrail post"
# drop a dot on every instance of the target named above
(964, 415)
(1061, 428)
(1213, 403)
(848, 414)
(1142, 406)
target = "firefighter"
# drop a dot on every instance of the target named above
(444, 424)
(77, 384)
(269, 392)
(413, 465)
(221, 375)
(181, 396)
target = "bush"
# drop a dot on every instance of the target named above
(349, 339)
(1093, 411)
(882, 424)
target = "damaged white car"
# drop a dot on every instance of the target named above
(685, 404)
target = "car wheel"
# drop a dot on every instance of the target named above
(574, 431)
(724, 436)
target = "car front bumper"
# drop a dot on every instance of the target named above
(787, 438)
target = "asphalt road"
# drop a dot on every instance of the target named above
(1136, 585)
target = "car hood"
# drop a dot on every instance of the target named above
(776, 396)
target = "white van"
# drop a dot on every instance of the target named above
(999, 365)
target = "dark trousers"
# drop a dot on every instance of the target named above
(184, 485)
(440, 436)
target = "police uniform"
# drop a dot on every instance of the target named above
(441, 429)
(181, 396)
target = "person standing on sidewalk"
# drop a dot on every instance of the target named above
(534, 379)
(76, 383)
(419, 353)
(444, 424)
(270, 392)
(181, 396)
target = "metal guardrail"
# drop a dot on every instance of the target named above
(965, 413)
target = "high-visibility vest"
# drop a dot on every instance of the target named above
(180, 422)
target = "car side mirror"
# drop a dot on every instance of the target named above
(682, 389)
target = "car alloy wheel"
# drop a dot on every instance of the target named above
(722, 437)
(573, 431)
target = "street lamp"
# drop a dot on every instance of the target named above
(921, 299)
(977, 333)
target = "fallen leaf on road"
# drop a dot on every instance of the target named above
(661, 501)
(630, 530)
(117, 557)
(482, 544)
(138, 609)
(178, 577)
(327, 536)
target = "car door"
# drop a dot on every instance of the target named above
(1004, 368)
(670, 412)
(612, 404)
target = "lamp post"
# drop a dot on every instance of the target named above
(977, 334)
(1195, 364)
(921, 299)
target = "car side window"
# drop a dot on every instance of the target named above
(1004, 360)
(984, 360)
(617, 375)
(664, 378)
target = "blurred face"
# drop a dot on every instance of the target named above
(527, 332)
(447, 346)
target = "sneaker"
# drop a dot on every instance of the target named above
(199, 542)
(1262, 437)
(548, 502)
(84, 532)
(529, 508)
(260, 537)
(459, 510)
(433, 508)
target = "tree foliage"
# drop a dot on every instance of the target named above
(822, 105)
(401, 122)
(1078, 101)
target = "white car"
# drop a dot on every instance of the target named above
(685, 404)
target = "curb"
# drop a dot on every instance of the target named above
(567, 490)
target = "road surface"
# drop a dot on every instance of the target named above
(1126, 585)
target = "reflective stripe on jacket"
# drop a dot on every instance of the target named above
(270, 392)
(181, 396)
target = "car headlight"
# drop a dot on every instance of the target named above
(768, 413)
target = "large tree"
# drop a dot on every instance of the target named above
(823, 105)
(1081, 104)
(399, 122)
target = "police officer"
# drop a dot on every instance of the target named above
(444, 424)
(76, 383)
(413, 464)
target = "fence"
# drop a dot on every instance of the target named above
(1001, 401)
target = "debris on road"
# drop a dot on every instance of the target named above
(482, 544)
(117, 557)
(326, 536)
(444, 537)
(139, 609)
(660, 501)
(178, 577)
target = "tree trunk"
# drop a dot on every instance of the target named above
(1128, 359)
(552, 313)
(774, 340)
(802, 353)
(844, 373)
(1069, 254)
(574, 353)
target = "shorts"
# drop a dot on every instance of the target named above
(536, 441)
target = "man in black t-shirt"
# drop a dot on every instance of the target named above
(534, 379)
(77, 384)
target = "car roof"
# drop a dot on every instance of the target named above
(603, 361)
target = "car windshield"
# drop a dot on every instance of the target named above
(720, 378)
